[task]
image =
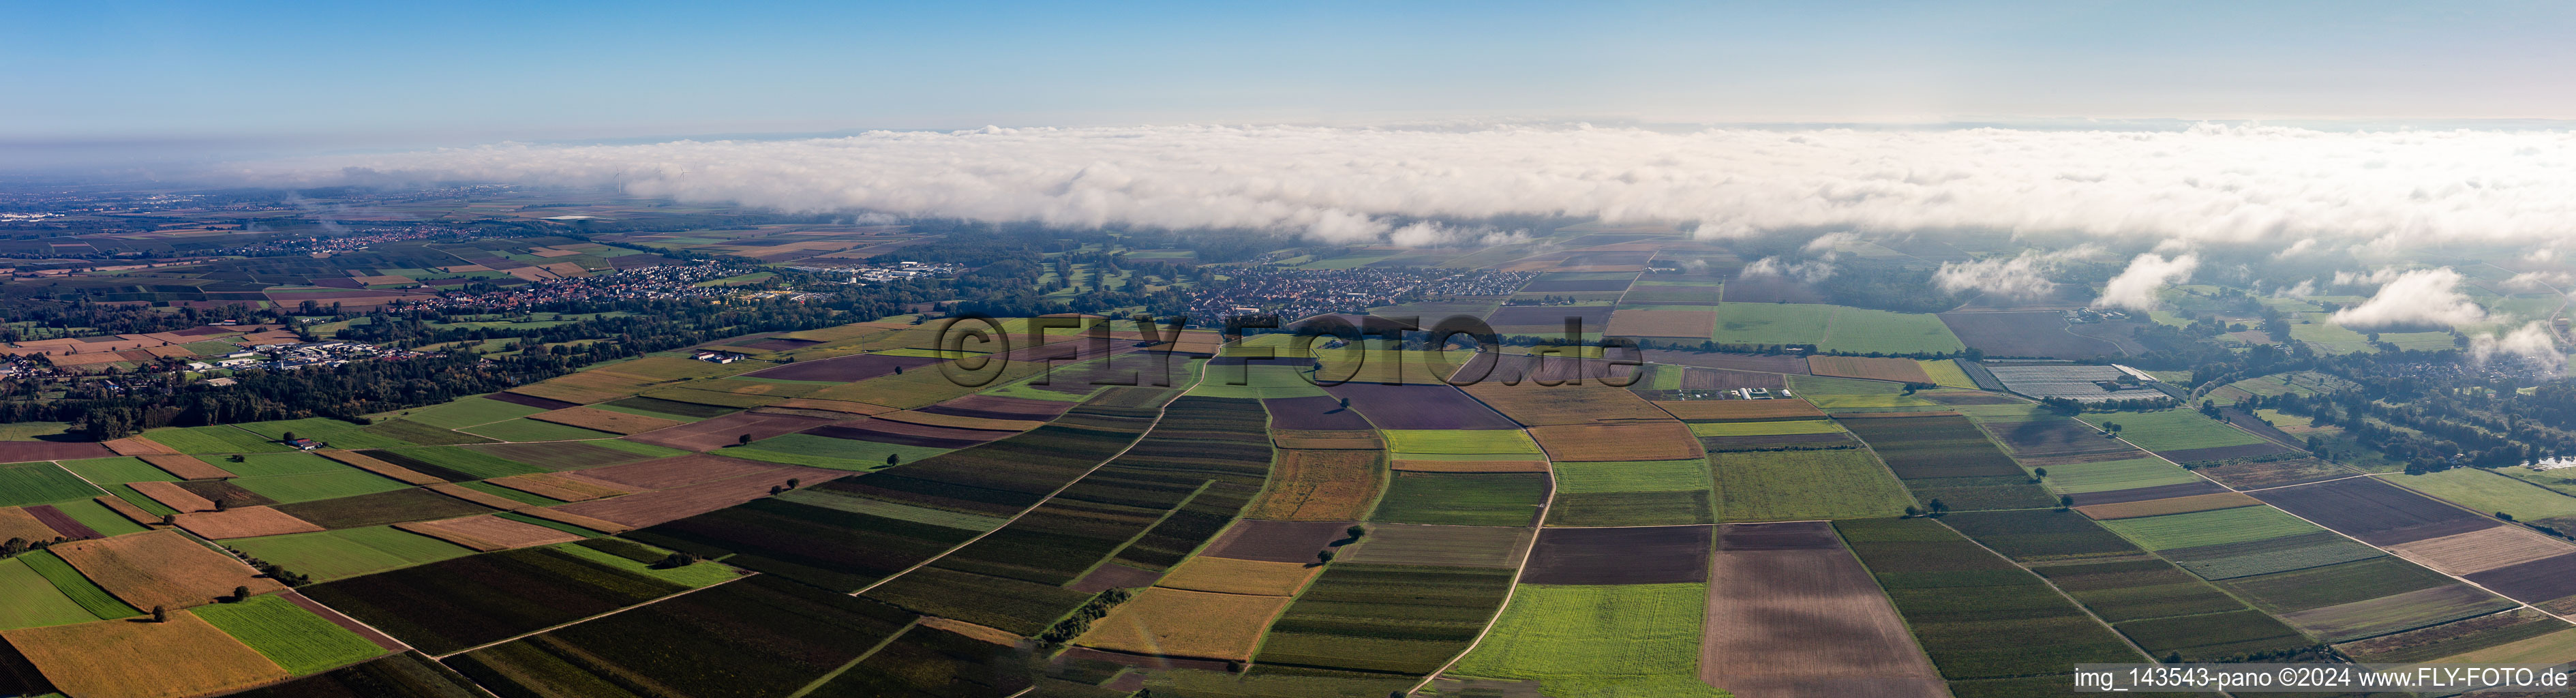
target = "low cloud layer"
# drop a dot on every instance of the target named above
(2135, 288)
(2414, 299)
(2021, 276)
(2281, 186)
(2531, 345)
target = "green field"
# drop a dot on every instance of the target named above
(1796, 426)
(2485, 490)
(1832, 328)
(1461, 441)
(1598, 640)
(1632, 476)
(2172, 430)
(78, 588)
(336, 433)
(1804, 486)
(828, 452)
(27, 600)
(118, 469)
(351, 552)
(509, 494)
(692, 576)
(2209, 527)
(524, 429)
(38, 483)
(214, 439)
(1257, 379)
(346, 482)
(1947, 374)
(265, 464)
(98, 517)
(1463, 499)
(2111, 475)
(298, 640)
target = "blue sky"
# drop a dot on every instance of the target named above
(354, 74)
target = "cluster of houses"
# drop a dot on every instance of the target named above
(287, 357)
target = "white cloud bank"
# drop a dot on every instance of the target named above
(2230, 184)
(2532, 344)
(2419, 298)
(2021, 276)
(2135, 288)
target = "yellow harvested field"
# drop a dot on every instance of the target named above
(1739, 410)
(128, 510)
(1178, 623)
(137, 446)
(1472, 466)
(550, 490)
(181, 658)
(187, 467)
(17, 523)
(488, 533)
(565, 517)
(362, 462)
(1320, 486)
(2172, 505)
(243, 522)
(161, 568)
(1224, 575)
(2482, 550)
(996, 636)
(172, 496)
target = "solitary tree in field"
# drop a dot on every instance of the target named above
(160, 615)
(774, 490)
(241, 594)
(1323, 556)
(169, 519)
(1911, 512)
(1346, 403)
(893, 460)
(1356, 531)
(898, 370)
(793, 482)
(1939, 507)
(223, 504)
(288, 436)
(2039, 472)
(2065, 502)
(743, 440)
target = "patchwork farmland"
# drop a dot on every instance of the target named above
(845, 528)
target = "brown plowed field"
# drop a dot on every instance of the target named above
(1419, 406)
(678, 470)
(1439, 546)
(481, 498)
(25, 451)
(128, 510)
(2535, 582)
(1740, 410)
(1328, 440)
(652, 508)
(2202, 455)
(243, 522)
(1317, 412)
(2173, 505)
(1532, 404)
(565, 517)
(2279, 473)
(1664, 440)
(1277, 541)
(172, 496)
(61, 523)
(1806, 621)
(2376, 512)
(726, 430)
(992, 407)
(2479, 551)
(488, 533)
(161, 568)
(605, 420)
(187, 467)
(1320, 486)
(1651, 555)
(1898, 370)
(23, 524)
(2056, 436)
